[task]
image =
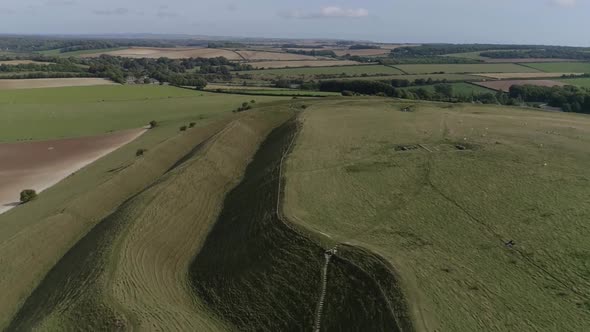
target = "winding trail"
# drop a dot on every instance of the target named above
(320, 307)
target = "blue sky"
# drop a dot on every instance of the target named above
(560, 22)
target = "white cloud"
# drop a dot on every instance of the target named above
(328, 12)
(564, 3)
(112, 12)
(343, 12)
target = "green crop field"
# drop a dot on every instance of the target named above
(465, 68)
(79, 111)
(581, 82)
(449, 77)
(463, 89)
(442, 215)
(310, 71)
(236, 89)
(561, 67)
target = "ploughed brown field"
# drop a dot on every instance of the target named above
(172, 53)
(505, 85)
(52, 83)
(40, 165)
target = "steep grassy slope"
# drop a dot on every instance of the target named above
(35, 236)
(260, 273)
(471, 179)
(131, 271)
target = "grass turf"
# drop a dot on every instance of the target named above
(48, 227)
(465, 68)
(36, 114)
(442, 215)
(581, 82)
(448, 77)
(561, 67)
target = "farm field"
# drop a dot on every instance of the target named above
(476, 56)
(301, 63)
(581, 82)
(449, 77)
(442, 216)
(37, 83)
(276, 56)
(506, 84)
(463, 89)
(84, 111)
(23, 62)
(527, 60)
(57, 52)
(465, 68)
(228, 147)
(348, 70)
(41, 164)
(524, 75)
(254, 90)
(367, 52)
(172, 53)
(562, 67)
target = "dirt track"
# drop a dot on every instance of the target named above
(40, 165)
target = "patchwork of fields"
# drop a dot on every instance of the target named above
(252, 206)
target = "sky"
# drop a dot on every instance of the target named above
(551, 22)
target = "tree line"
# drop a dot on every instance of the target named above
(553, 53)
(568, 98)
(42, 67)
(22, 44)
(364, 47)
(430, 50)
(312, 52)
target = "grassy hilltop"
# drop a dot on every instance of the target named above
(450, 217)
(440, 190)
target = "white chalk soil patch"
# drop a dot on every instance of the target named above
(41, 165)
